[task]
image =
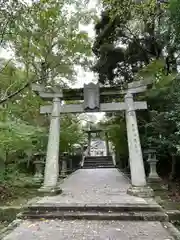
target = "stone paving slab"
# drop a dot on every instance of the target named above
(89, 230)
(94, 186)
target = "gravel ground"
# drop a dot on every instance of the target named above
(95, 186)
(89, 230)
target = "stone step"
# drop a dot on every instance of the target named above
(108, 157)
(96, 166)
(97, 162)
(127, 207)
(98, 158)
(123, 216)
(91, 167)
(100, 163)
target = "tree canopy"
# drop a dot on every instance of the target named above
(46, 44)
(130, 35)
(140, 40)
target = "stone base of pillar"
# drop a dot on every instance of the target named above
(144, 191)
(156, 179)
(50, 191)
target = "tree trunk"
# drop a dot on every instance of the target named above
(173, 168)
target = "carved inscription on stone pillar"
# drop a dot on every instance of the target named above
(91, 97)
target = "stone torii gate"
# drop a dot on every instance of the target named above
(93, 96)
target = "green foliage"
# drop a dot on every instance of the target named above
(137, 35)
(139, 40)
(19, 137)
(174, 8)
(46, 35)
(116, 129)
(155, 72)
(46, 43)
(71, 133)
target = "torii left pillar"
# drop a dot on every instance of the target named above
(50, 185)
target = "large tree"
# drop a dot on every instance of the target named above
(46, 40)
(130, 35)
(141, 41)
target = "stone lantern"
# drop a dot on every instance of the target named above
(64, 165)
(39, 167)
(152, 160)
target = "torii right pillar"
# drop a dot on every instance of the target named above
(138, 178)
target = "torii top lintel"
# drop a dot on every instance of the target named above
(78, 93)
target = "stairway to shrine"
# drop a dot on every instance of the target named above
(94, 205)
(98, 162)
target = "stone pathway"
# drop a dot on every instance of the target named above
(89, 230)
(94, 186)
(91, 187)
